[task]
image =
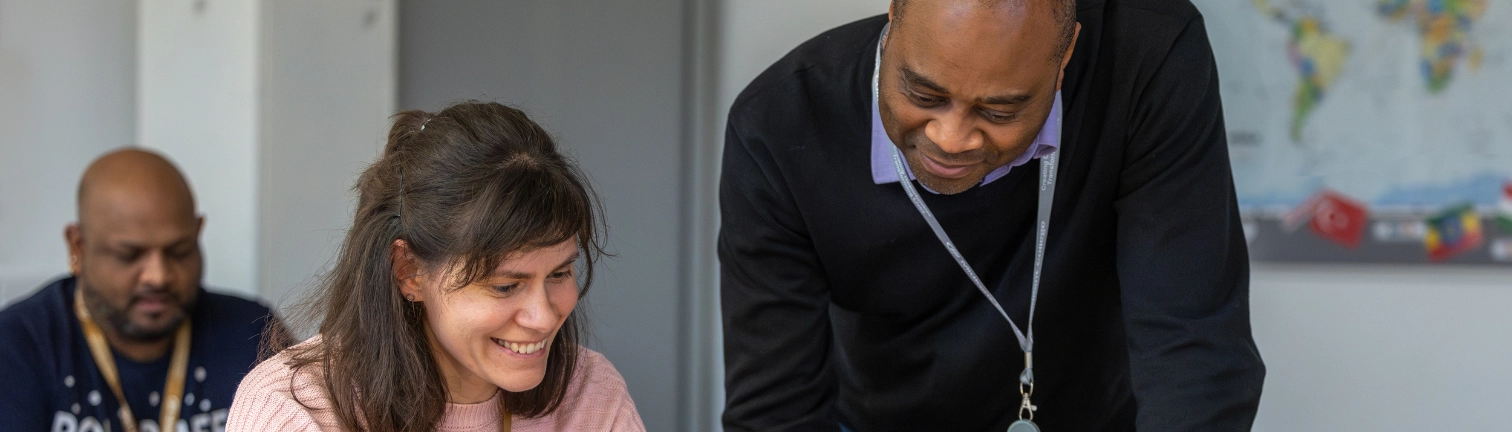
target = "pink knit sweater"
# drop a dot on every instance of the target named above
(596, 400)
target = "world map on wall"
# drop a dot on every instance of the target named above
(1402, 106)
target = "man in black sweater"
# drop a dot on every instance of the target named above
(844, 310)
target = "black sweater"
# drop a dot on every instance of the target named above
(840, 305)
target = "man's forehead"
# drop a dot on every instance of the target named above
(135, 201)
(988, 56)
(137, 218)
(131, 242)
(139, 232)
(1017, 29)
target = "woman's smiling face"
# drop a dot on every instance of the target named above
(497, 331)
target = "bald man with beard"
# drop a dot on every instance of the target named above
(133, 322)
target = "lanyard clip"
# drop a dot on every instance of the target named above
(1027, 409)
(1026, 388)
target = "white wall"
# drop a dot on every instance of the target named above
(1356, 348)
(67, 94)
(1347, 347)
(755, 33)
(327, 88)
(197, 104)
(271, 108)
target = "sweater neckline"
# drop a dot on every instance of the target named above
(470, 417)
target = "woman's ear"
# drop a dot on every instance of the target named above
(406, 271)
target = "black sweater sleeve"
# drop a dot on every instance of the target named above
(1182, 260)
(774, 298)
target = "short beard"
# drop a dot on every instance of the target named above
(131, 331)
(918, 142)
(939, 186)
(117, 319)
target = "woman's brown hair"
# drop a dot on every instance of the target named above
(465, 187)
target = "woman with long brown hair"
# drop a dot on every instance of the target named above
(452, 305)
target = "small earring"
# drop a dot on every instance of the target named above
(410, 297)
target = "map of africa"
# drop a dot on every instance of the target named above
(1403, 105)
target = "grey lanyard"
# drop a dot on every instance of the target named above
(1042, 226)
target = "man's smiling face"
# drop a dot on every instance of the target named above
(965, 86)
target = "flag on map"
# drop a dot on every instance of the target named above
(1301, 213)
(1331, 215)
(1452, 232)
(1504, 210)
(1338, 218)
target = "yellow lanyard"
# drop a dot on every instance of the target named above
(173, 390)
(504, 422)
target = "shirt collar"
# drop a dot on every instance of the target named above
(883, 172)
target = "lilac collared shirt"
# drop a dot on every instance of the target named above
(882, 147)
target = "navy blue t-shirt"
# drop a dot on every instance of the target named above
(49, 381)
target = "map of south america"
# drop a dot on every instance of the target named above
(1318, 57)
